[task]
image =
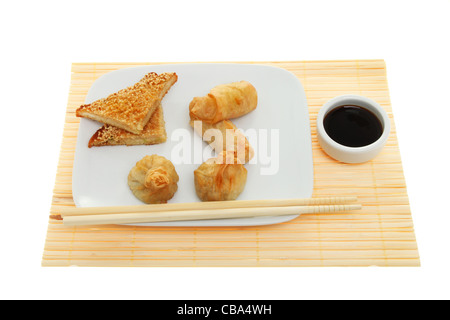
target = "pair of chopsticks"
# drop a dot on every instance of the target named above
(204, 210)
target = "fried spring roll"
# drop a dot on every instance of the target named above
(226, 101)
(224, 136)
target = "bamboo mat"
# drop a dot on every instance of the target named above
(382, 234)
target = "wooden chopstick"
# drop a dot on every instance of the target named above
(212, 205)
(207, 214)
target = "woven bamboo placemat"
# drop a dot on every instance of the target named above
(382, 234)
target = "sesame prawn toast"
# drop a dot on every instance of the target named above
(131, 108)
(154, 132)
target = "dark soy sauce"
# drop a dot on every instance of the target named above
(352, 126)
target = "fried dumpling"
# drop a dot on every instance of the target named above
(153, 179)
(226, 101)
(220, 178)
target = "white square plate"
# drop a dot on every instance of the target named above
(100, 173)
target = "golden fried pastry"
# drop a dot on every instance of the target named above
(154, 132)
(131, 108)
(221, 178)
(153, 179)
(226, 138)
(225, 101)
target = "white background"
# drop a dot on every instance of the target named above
(40, 40)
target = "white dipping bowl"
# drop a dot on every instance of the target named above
(352, 154)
